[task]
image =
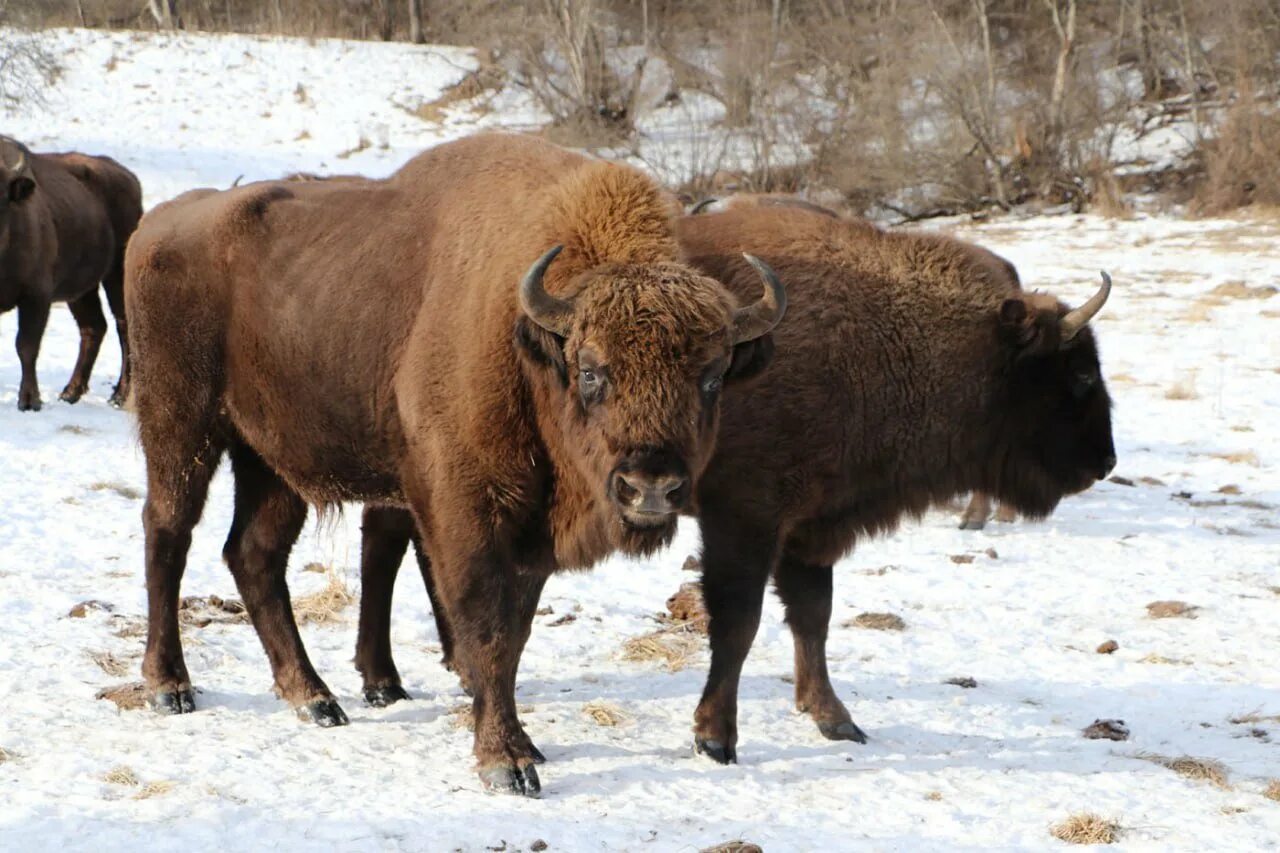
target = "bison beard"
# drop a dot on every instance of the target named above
(475, 347)
(946, 380)
(64, 223)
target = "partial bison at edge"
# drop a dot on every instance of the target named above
(912, 369)
(502, 338)
(64, 223)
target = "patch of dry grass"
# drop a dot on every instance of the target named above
(109, 663)
(1086, 828)
(1183, 389)
(127, 697)
(1243, 457)
(1241, 290)
(686, 607)
(738, 846)
(155, 789)
(462, 717)
(934, 796)
(121, 776)
(1188, 767)
(1171, 610)
(1254, 717)
(605, 714)
(6, 755)
(673, 646)
(75, 429)
(326, 605)
(1272, 791)
(877, 622)
(124, 490)
(128, 627)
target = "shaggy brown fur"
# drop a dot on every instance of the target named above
(64, 223)
(363, 340)
(912, 368)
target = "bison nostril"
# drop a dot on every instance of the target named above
(626, 492)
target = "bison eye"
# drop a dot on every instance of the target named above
(712, 385)
(590, 384)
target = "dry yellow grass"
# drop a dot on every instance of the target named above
(1272, 791)
(122, 489)
(324, 606)
(109, 663)
(673, 646)
(878, 622)
(1198, 769)
(127, 697)
(6, 755)
(154, 789)
(738, 846)
(1254, 717)
(1241, 290)
(1243, 457)
(933, 796)
(121, 776)
(462, 717)
(605, 714)
(1086, 828)
(1171, 610)
(1183, 389)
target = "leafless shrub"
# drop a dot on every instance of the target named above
(27, 67)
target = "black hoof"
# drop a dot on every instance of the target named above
(325, 713)
(169, 702)
(69, 396)
(972, 525)
(116, 401)
(381, 697)
(538, 757)
(715, 750)
(512, 780)
(842, 731)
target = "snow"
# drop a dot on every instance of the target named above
(945, 768)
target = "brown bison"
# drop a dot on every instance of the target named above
(64, 223)
(501, 338)
(912, 368)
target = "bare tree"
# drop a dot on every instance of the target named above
(416, 35)
(165, 13)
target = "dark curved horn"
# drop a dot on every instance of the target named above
(549, 312)
(1073, 321)
(760, 317)
(702, 205)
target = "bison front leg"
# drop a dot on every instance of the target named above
(483, 600)
(33, 316)
(735, 571)
(806, 591)
(268, 518)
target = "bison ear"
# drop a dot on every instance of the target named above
(21, 188)
(541, 348)
(1018, 327)
(750, 358)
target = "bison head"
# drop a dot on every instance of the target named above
(19, 181)
(1055, 410)
(635, 356)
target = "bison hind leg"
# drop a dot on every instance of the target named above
(268, 517)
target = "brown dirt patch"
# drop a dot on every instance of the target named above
(686, 607)
(202, 610)
(1108, 647)
(1107, 730)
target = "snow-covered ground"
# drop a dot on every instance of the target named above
(1196, 379)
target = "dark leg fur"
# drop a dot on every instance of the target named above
(806, 591)
(33, 316)
(87, 311)
(736, 562)
(385, 533)
(113, 285)
(268, 518)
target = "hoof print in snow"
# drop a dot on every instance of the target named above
(1107, 730)
(963, 681)
(127, 697)
(1171, 610)
(1108, 647)
(84, 608)
(878, 622)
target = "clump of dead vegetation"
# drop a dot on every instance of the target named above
(1171, 610)
(672, 645)
(877, 622)
(738, 846)
(325, 605)
(1086, 828)
(1272, 791)
(1183, 389)
(6, 755)
(109, 663)
(84, 608)
(121, 776)
(1107, 730)
(1188, 767)
(124, 490)
(154, 789)
(126, 697)
(605, 714)
(686, 608)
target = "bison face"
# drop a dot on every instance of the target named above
(1058, 411)
(635, 360)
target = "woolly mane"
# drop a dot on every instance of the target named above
(604, 213)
